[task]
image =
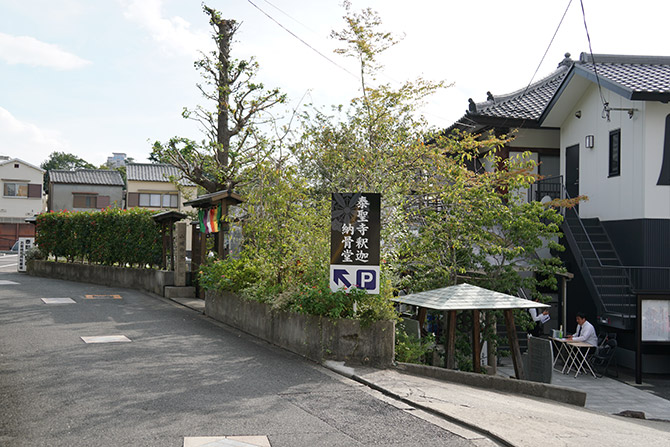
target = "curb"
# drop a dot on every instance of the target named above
(350, 373)
(555, 393)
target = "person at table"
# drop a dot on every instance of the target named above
(585, 331)
(539, 318)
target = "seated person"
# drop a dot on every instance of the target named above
(585, 331)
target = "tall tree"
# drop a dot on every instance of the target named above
(64, 161)
(233, 142)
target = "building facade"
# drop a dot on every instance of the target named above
(151, 186)
(85, 190)
(22, 197)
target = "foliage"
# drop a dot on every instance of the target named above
(410, 349)
(233, 144)
(229, 275)
(63, 161)
(33, 253)
(444, 219)
(111, 236)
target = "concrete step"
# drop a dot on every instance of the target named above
(179, 292)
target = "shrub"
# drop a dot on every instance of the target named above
(410, 349)
(111, 236)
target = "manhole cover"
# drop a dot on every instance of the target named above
(103, 297)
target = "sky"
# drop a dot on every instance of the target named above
(93, 77)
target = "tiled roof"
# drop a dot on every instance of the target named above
(146, 172)
(633, 77)
(635, 74)
(87, 177)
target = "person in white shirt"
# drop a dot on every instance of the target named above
(585, 331)
(539, 319)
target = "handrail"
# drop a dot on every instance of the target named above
(581, 224)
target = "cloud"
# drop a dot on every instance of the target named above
(173, 34)
(27, 141)
(30, 51)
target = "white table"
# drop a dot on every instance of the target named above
(574, 355)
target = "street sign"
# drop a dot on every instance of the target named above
(354, 241)
(364, 277)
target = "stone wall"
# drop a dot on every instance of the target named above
(317, 338)
(141, 279)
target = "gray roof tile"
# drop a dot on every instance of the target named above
(87, 177)
(146, 172)
(634, 77)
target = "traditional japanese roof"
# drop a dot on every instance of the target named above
(208, 200)
(641, 78)
(146, 172)
(466, 297)
(87, 177)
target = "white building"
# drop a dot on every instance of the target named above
(22, 197)
(601, 128)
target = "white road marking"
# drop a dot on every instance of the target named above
(106, 339)
(58, 300)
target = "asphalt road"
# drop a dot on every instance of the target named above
(182, 375)
(8, 262)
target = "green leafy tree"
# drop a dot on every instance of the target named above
(63, 161)
(233, 144)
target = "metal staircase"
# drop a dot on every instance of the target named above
(608, 281)
(605, 276)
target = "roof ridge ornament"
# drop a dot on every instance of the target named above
(566, 62)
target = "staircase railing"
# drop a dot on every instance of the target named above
(577, 251)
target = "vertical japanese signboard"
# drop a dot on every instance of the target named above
(354, 241)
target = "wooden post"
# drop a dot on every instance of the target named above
(490, 347)
(476, 348)
(223, 230)
(450, 341)
(171, 245)
(514, 344)
(165, 248)
(422, 319)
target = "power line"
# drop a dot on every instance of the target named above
(595, 68)
(290, 17)
(301, 40)
(548, 46)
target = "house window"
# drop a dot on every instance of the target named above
(156, 200)
(615, 153)
(15, 190)
(85, 201)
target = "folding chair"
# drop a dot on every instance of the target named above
(603, 357)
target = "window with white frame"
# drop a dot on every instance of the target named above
(158, 200)
(15, 189)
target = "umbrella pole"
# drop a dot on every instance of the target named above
(476, 349)
(514, 344)
(450, 341)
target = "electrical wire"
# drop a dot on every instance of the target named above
(290, 17)
(301, 40)
(595, 68)
(548, 47)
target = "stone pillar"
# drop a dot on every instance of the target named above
(180, 255)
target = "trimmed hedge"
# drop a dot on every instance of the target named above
(111, 236)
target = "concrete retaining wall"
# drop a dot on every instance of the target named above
(535, 389)
(317, 338)
(141, 279)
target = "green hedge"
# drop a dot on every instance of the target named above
(111, 236)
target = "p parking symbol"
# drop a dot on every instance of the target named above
(366, 279)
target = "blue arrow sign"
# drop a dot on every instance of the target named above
(340, 276)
